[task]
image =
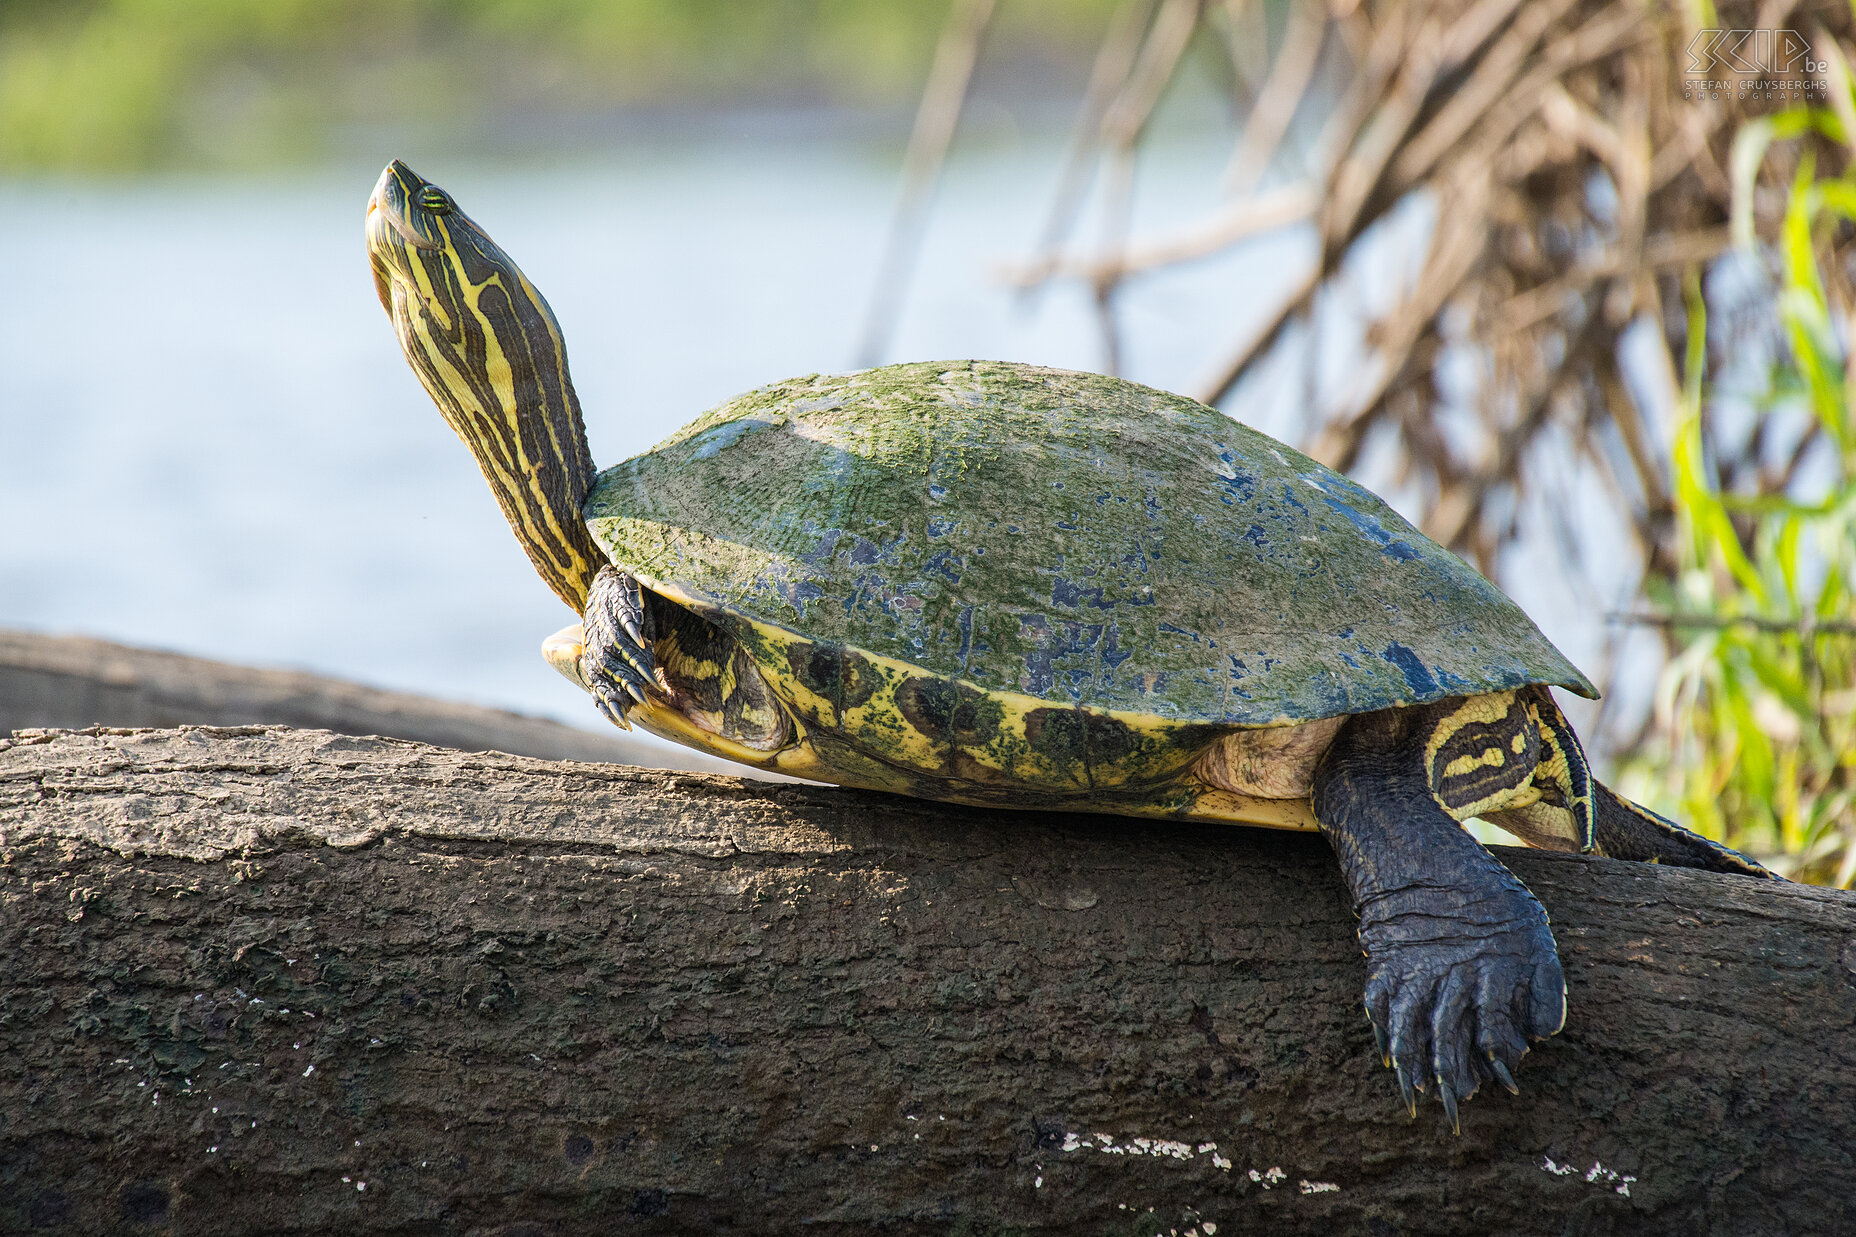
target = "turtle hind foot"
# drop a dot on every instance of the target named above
(1627, 831)
(617, 664)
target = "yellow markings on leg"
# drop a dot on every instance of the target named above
(1480, 756)
(661, 718)
(1563, 773)
(1539, 824)
(711, 680)
(668, 714)
(1468, 765)
(698, 682)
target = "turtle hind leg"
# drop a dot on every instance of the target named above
(1627, 831)
(710, 679)
(1461, 966)
(646, 658)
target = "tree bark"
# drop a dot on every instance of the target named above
(270, 981)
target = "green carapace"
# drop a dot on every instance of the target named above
(998, 584)
(1070, 537)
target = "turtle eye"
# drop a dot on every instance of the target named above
(434, 199)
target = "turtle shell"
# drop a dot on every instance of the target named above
(1071, 537)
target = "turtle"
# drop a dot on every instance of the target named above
(1005, 585)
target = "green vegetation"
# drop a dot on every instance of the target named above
(124, 84)
(1759, 705)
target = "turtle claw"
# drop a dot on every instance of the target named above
(1502, 1075)
(1448, 1096)
(1382, 1041)
(629, 622)
(1407, 1089)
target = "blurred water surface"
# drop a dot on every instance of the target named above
(209, 441)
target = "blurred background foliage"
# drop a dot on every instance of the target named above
(104, 85)
(1755, 739)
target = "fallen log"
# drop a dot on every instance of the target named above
(76, 681)
(270, 981)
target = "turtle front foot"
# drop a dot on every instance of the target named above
(1456, 989)
(616, 663)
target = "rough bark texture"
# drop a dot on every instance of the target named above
(270, 981)
(75, 681)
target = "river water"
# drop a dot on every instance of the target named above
(209, 441)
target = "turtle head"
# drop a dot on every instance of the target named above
(487, 347)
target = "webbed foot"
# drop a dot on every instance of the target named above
(617, 665)
(1455, 991)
